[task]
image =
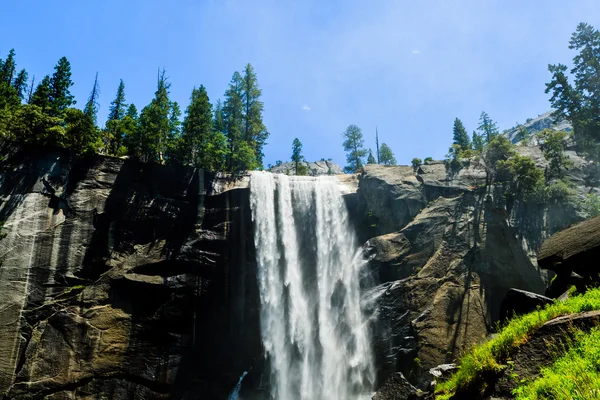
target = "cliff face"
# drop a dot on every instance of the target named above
(123, 281)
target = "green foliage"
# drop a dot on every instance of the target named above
(574, 375)
(30, 125)
(60, 96)
(255, 132)
(416, 163)
(297, 158)
(371, 159)
(493, 356)
(523, 135)
(155, 124)
(461, 137)
(560, 192)
(202, 146)
(591, 205)
(580, 103)
(554, 145)
(498, 149)
(81, 134)
(41, 96)
(355, 152)
(386, 157)
(477, 142)
(92, 105)
(427, 160)
(487, 128)
(525, 180)
(115, 129)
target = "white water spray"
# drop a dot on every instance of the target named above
(309, 261)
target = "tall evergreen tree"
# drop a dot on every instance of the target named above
(92, 105)
(41, 96)
(155, 123)
(387, 157)
(461, 137)
(114, 132)
(30, 93)
(297, 157)
(371, 159)
(20, 84)
(60, 83)
(129, 127)
(7, 68)
(197, 129)
(354, 147)
(580, 104)
(255, 132)
(477, 142)
(242, 155)
(487, 128)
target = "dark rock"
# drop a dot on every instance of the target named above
(396, 388)
(561, 284)
(519, 302)
(576, 248)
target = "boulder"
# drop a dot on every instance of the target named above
(561, 284)
(397, 387)
(519, 302)
(323, 167)
(576, 248)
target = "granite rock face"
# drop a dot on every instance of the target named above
(123, 281)
(323, 167)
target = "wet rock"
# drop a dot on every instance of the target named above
(396, 387)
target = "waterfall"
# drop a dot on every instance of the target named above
(235, 393)
(309, 261)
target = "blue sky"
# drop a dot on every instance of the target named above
(407, 67)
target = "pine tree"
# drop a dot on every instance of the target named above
(371, 159)
(255, 132)
(7, 68)
(353, 145)
(197, 129)
(155, 123)
(9, 96)
(41, 96)
(242, 155)
(129, 128)
(30, 94)
(487, 127)
(387, 157)
(461, 137)
(580, 104)
(20, 84)
(60, 95)
(113, 133)
(297, 157)
(81, 134)
(92, 105)
(477, 142)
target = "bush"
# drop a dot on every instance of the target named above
(416, 163)
(591, 205)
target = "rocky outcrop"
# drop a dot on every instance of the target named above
(576, 248)
(323, 167)
(124, 281)
(519, 302)
(396, 388)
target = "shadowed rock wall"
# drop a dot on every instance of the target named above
(121, 280)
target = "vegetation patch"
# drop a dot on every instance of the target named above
(491, 358)
(574, 375)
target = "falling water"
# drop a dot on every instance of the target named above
(235, 393)
(312, 327)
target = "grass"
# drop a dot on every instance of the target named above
(575, 375)
(492, 358)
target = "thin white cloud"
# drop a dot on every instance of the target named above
(305, 108)
(416, 51)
